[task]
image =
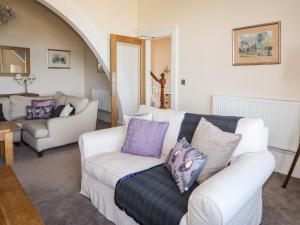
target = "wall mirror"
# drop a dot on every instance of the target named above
(14, 60)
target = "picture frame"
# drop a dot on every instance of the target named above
(59, 59)
(257, 45)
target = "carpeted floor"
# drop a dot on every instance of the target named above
(53, 184)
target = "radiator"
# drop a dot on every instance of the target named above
(103, 97)
(282, 117)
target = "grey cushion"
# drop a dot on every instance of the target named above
(37, 128)
(215, 143)
(77, 102)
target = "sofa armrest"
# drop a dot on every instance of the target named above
(71, 127)
(217, 200)
(101, 141)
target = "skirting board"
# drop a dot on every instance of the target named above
(284, 160)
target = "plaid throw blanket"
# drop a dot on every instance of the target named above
(151, 197)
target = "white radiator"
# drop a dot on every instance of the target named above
(103, 97)
(282, 117)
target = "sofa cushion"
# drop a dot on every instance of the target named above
(6, 107)
(60, 98)
(191, 121)
(77, 102)
(37, 128)
(253, 131)
(19, 103)
(145, 138)
(108, 168)
(166, 115)
(215, 143)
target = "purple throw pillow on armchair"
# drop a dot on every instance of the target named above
(42, 103)
(145, 138)
(185, 163)
(39, 112)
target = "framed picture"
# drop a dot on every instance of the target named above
(258, 44)
(59, 59)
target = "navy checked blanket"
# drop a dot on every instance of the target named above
(151, 197)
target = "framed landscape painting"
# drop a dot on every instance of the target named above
(59, 59)
(258, 44)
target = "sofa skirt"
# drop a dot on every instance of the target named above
(102, 197)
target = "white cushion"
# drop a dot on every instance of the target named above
(66, 111)
(5, 107)
(37, 128)
(166, 115)
(77, 102)
(252, 131)
(127, 118)
(108, 168)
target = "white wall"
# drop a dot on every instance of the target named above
(92, 77)
(38, 28)
(204, 60)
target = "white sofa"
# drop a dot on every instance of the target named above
(232, 196)
(45, 134)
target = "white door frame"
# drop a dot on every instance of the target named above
(173, 34)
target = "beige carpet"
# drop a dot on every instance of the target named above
(53, 184)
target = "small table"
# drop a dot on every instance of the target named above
(15, 206)
(6, 142)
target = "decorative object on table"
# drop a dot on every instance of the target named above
(15, 60)
(25, 80)
(59, 59)
(258, 44)
(288, 177)
(6, 13)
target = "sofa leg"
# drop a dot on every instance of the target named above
(40, 154)
(18, 143)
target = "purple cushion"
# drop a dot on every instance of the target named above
(39, 112)
(185, 163)
(41, 103)
(145, 138)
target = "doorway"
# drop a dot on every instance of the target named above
(160, 82)
(127, 76)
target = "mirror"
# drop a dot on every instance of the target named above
(14, 60)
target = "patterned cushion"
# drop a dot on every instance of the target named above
(145, 138)
(35, 113)
(215, 143)
(185, 163)
(46, 102)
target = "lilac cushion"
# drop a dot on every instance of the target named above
(185, 163)
(39, 112)
(41, 103)
(145, 137)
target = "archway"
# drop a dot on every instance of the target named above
(70, 13)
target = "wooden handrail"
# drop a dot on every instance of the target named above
(162, 81)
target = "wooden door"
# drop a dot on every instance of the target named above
(114, 41)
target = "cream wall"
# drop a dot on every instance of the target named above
(38, 28)
(92, 77)
(204, 60)
(110, 17)
(204, 52)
